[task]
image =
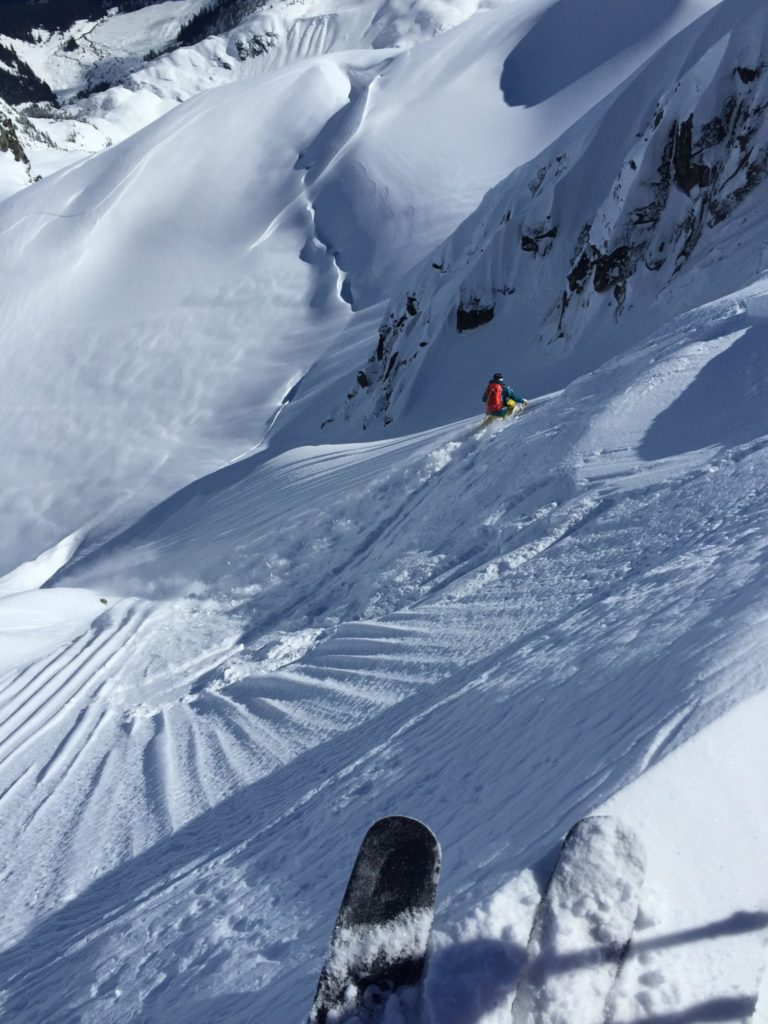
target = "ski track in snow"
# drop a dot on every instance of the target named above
(141, 246)
(219, 746)
(203, 709)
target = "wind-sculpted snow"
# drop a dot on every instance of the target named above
(119, 73)
(207, 694)
(157, 307)
(185, 280)
(342, 632)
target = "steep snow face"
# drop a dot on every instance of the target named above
(127, 52)
(122, 43)
(496, 632)
(122, 49)
(493, 632)
(656, 198)
(151, 296)
(116, 75)
(185, 280)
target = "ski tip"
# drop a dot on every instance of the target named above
(605, 836)
(402, 826)
(597, 824)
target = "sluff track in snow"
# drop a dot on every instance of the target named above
(265, 582)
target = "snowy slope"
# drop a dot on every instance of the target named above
(116, 75)
(121, 50)
(107, 50)
(716, 952)
(138, 260)
(304, 644)
(16, 134)
(591, 245)
(234, 240)
(238, 241)
(205, 700)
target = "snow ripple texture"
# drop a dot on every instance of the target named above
(250, 694)
(497, 633)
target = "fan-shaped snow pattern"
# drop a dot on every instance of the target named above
(325, 656)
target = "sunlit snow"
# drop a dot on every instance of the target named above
(260, 585)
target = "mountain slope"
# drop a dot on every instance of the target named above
(251, 635)
(231, 245)
(594, 240)
(137, 262)
(305, 645)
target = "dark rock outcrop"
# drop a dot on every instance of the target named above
(255, 45)
(531, 241)
(473, 315)
(748, 75)
(716, 165)
(688, 174)
(9, 140)
(18, 82)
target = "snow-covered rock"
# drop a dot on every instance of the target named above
(17, 138)
(593, 241)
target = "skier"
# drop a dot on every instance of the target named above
(500, 400)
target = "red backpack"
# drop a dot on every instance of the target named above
(493, 397)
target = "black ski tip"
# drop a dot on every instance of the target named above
(399, 828)
(397, 868)
(381, 936)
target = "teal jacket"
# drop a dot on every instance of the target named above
(508, 393)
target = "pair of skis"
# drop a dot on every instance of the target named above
(516, 411)
(579, 940)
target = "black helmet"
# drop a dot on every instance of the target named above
(498, 376)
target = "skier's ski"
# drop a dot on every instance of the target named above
(583, 926)
(380, 939)
(489, 420)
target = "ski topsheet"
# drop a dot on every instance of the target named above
(380, 939)
(582, 927)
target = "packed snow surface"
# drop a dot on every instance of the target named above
(236, 627)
